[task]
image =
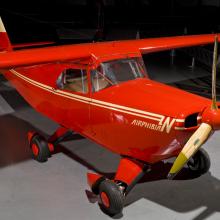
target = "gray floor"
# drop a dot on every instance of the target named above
(57, 189)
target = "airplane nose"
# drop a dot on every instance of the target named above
(212, 117)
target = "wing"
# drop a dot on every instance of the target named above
(167, 43)
(27, 57)
(31, 44)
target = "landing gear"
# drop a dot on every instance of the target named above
(112, 193)
(199, 164)
(42, 148)
(111, 197)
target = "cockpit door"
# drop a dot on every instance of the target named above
(74, 102)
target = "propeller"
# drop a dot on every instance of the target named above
(202, 133)
(214, 67)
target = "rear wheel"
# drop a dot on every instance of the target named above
(111, 198)
(200, 163)
(40, 148)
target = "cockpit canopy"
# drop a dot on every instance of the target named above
(108, 73)
(117, 71)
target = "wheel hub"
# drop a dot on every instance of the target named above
(35, 149)
(105, 199)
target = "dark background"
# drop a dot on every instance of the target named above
(70, 21)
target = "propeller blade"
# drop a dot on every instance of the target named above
(214, 67)
(191, 147)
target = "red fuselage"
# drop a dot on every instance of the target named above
(139, 118)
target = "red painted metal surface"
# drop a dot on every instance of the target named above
(57, 134)
(5, 42)
(92, 178)
(63, 53)
(128, 170)
(137, 118)
(120, 129)
(212, 117)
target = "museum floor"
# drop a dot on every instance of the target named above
(57, 189)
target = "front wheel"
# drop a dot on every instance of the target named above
(111, 198)
(200, 163)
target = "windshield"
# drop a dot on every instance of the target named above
(117, 71)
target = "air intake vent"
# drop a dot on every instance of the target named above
(191, 120)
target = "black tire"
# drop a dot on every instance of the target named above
(200, 163)
(43, 150)
(95, 186)
(114, 195)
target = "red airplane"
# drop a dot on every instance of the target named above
(102, 91)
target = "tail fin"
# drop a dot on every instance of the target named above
(5, 44)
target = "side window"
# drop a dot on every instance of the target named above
(99, 80)
(74, 80)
